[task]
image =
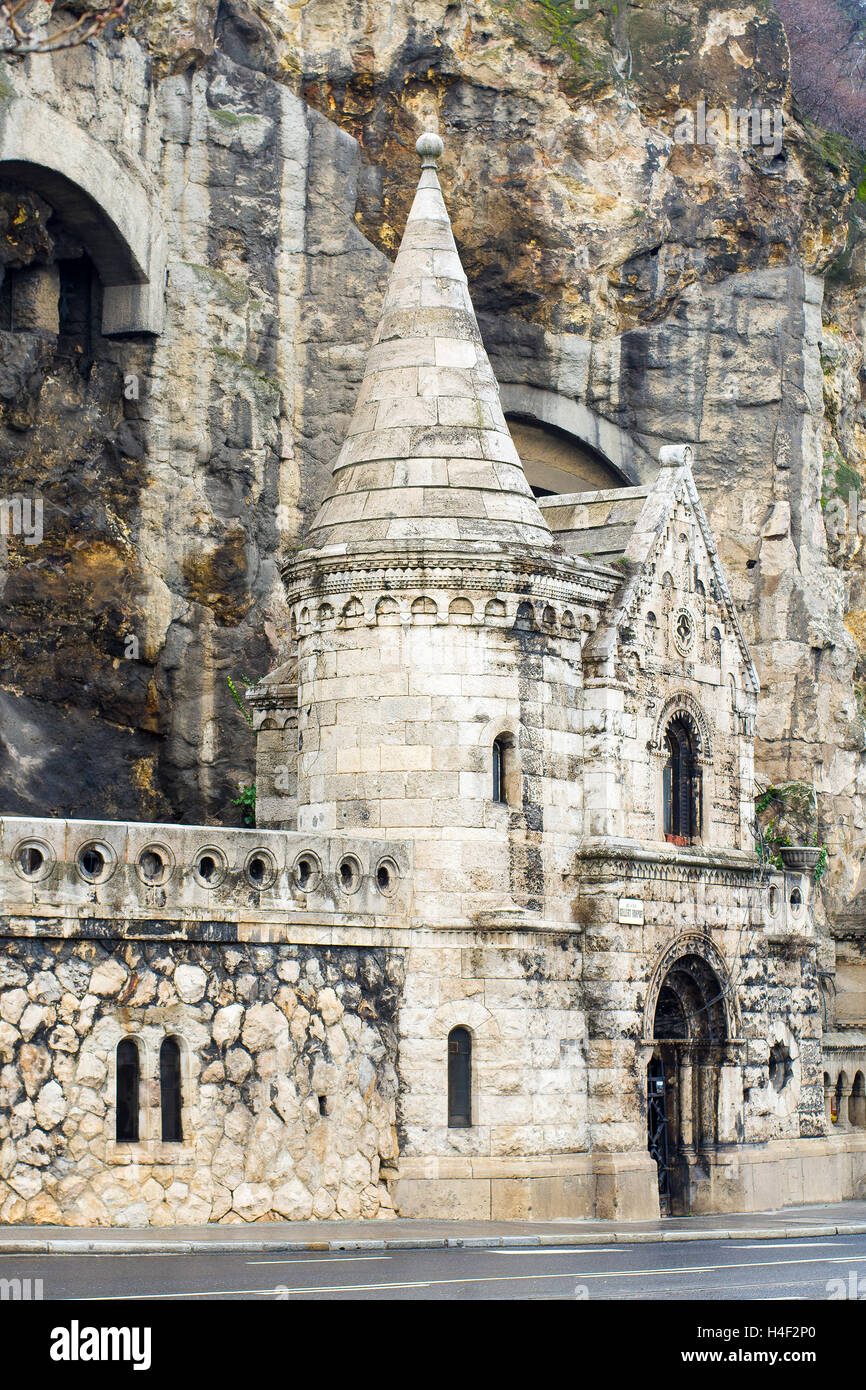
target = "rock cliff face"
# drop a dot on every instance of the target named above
(672, 289)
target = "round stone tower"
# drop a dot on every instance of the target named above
(438, 628)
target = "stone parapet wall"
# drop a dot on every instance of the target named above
(179, 872)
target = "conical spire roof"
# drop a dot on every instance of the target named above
(428, 455)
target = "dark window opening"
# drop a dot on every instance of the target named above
(7, 300)
(74, 307)
(207, 867)
(31, 860)
(91, 862)
(682, 786)
(459, 1079)
(506, 782)
(670, 1018)
(127, 1085)
(498, 771)
(169, 1092)
(323, 1105)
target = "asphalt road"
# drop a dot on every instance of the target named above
(711, 1270)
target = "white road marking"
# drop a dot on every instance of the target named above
(569, 1250)
(794, 1245)
(322, 1260)
(225, 1293)
(575, 1274)
(488, 1279)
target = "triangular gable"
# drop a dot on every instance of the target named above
(673, 486)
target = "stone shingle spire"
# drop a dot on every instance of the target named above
(428, 455)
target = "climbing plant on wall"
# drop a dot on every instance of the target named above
(785, 815)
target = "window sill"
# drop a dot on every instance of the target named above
(150, 1151)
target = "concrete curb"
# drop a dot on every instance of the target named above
(89, 1246)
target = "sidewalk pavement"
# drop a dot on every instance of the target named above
(826, 1219)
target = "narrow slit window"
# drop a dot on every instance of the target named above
(459, 1078)
(169, 1092)
(498, 771)
(127, 1088)
(506, 787)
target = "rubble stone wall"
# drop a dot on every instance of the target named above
(289, 1081)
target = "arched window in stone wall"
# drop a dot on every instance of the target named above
(127, 1079)
(857, 1103)
(170, 1098)
(459, 1079)
(681, 785)
(505, 782)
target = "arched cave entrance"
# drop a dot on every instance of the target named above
(556, 462)
(690, 1032)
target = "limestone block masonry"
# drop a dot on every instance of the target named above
(502, 944)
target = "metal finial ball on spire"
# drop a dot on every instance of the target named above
(429, 146)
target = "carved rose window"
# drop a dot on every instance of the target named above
(684, 631)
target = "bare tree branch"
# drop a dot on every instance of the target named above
(21, 31)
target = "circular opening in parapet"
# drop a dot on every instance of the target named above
(773, 901)
(387, 876)
(95, 861)
(307, 872)
(209, 867)
(91, 863)
(32, 859)
(796, 900)
(260, 868)
(349, 874)
(153, 865)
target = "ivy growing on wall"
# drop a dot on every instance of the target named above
(246, 797)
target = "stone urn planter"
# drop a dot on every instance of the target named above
(801, 858)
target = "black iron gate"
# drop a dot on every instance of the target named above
(658, 1136)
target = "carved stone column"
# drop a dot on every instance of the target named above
(843, 1121)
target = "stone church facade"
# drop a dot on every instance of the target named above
(501, 944)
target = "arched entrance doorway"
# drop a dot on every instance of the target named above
(690, 1034)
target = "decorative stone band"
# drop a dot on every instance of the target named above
(135, 870)
(320, 574)
(443, 607)
(844, 1052)
(606, 860)
(273, 703)
(278, 716)
(270, 696)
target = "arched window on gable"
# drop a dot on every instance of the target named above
(169, 1092)
(127, 1078)
(459, 1079)
(682, 785)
